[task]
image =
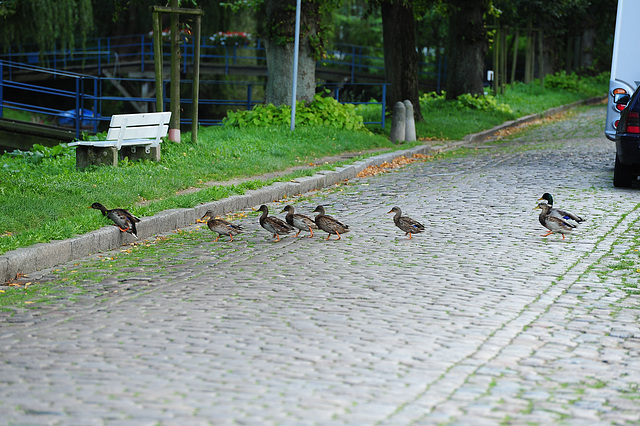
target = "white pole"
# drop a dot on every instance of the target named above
(296, 47)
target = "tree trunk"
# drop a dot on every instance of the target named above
(467, 48)
(279, 44)
(400, 56)
(280, 68)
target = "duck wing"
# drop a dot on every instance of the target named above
(302, 222)
(407, 224)
(565, 215)
(276, 225)
(331, 225)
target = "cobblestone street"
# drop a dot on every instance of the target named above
(478, 320)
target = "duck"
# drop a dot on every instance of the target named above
(552, 222)
(273, 224)
(221, 226)
(329, 224)
(299, 221)
(121, 217)
(405, 223)
(557, 212)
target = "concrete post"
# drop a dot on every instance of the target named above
(398, 122)
(410, 123)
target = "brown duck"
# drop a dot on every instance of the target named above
(221, 226)
(121, 217)
(405, 223)
(329, 224)
(273, 224)
(299, 221)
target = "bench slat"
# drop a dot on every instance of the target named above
(143, 119)
(141, 132)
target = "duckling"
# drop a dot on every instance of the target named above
(273, 224)
(121, 217)
(553, 223)
(222, 227)
(563, 214)
(300, 221)
(329, 224)
(405, 223)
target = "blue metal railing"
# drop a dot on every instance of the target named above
(138, 49)
(83, 101)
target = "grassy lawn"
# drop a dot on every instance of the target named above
(43, 197)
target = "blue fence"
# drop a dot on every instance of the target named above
(79, 101)
(113, 52)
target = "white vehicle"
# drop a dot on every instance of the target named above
(625, 64)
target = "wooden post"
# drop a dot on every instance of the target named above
(503, 59)
(174, 126)
(541, 57)
(515, 57)
(496, 59)
(157, 59)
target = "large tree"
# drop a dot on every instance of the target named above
(401, 59)
(45, 22)
(279, 43)
(467, 47)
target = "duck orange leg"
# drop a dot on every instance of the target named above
(124, 230)
(231, 235)
(338, 234)
(299, 231)
(410, 236)
(216, 240)
(547, 234)
(277, 237)
(310, 230)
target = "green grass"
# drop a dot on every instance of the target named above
(43, 197)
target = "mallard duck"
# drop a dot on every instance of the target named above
(122, 218)
(405, 223)
(222, 227)
(273, 224)
(300, 221)
(557, 212)
(329, 224)
(553, 223)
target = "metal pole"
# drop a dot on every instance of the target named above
(196, 80)
(296, 47)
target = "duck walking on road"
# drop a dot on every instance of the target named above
(299, 221)
(221, 226)
(563, 214)
(405, 223)
(552, 222)
(121, 217)
(329, 224)
(273, 224)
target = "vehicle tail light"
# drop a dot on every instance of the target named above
(618, 91)
(633, 122)
(620, 107)
(615, 124)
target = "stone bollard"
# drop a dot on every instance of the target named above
(410, 123)
(398, 122)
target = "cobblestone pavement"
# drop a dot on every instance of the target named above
(479, 320)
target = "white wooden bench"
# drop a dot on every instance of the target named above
(127, 133)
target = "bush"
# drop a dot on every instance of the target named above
(589, 85)
(321, 111)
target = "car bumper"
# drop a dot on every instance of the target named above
(628, 149)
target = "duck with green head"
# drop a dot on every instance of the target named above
(563, 214)
(553, 223)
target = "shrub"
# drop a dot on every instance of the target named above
(321, 111)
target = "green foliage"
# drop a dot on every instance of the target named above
(322, 111)
(576, 84)
(483, 103)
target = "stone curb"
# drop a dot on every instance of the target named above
(48, 255)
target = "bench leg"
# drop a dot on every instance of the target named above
(139, 153)
(92, 155)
